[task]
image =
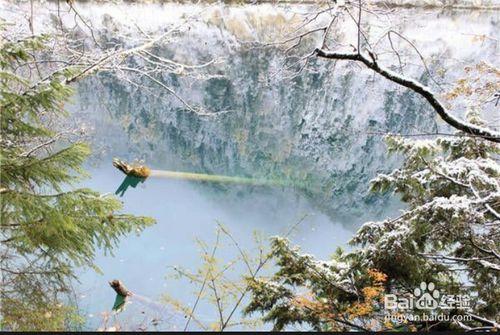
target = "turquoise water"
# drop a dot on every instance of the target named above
(184, 212)
(317, 130)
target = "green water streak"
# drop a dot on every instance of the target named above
(217, 178)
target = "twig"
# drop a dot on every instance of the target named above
(198, 297)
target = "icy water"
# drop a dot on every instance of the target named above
(315, 131)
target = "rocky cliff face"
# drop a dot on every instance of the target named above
(318, 129)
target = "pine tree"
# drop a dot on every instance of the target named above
(447, 235)
(48, 225)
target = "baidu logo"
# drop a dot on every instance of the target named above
(426, 297)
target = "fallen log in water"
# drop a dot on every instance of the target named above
(119, 288)
(124, 296)
(139, 171)
(142, 171)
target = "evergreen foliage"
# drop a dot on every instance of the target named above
(448, 235)
(48, 225)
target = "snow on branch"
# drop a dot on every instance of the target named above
(370, 61)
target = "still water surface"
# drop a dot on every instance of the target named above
(186, 211)
(312, 130)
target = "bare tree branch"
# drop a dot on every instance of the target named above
(370, 61)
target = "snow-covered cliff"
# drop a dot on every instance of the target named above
(319, 128)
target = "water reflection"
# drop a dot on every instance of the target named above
(128, 181)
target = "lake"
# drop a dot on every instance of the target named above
(317, 133)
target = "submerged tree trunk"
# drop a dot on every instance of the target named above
(119, 288)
